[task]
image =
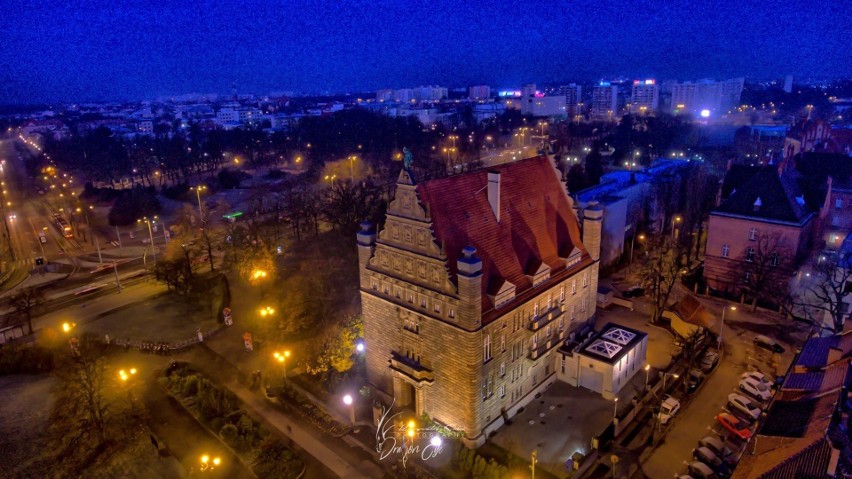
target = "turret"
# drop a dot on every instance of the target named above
(592, 222)
(366, 240)
(470, 289)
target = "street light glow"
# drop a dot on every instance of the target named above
(347, 399)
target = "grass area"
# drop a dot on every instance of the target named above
(218, 409)
(25, 402)
(168, 317)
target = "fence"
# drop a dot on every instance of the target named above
(164, 347)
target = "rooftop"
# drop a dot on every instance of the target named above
(782, 197)
(612, 342)
(537, 224)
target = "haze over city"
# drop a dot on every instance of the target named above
(56, 51)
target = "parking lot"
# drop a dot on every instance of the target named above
(697, 418)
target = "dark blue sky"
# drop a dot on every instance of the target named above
(69, 50)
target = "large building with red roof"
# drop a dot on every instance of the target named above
(470, 287)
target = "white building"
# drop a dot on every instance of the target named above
(539, 105)
(605, 362)
(715, 97)
(605, 101)
(645, 97)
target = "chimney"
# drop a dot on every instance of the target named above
(469, 289)
(494, 193)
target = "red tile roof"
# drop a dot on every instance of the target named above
(537, 222)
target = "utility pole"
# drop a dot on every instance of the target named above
(115, 270)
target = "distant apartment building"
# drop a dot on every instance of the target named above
(573, 94)
(550, 106)
(645, 98)
(605, 101)
(788, 84)
(145, 127)
(479, 92)
(708, 96)
(227, 115)
(430, 93)
(384, 95)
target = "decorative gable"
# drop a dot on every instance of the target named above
(503, 294)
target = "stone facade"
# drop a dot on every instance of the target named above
(429, 348)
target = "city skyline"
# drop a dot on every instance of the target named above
(95, 51)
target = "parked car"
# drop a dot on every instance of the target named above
(716, 445)
(744, 404)
(735, 425)
(709, 360)
(668, 408)
(693, 380)
(754, 388)
(710, 458)
(767, 343)
(700, 470)
(634, 292)
(758, 376)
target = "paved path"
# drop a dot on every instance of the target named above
(324, 448)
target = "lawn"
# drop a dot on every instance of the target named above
(169, 317)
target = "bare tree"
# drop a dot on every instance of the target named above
(823, 298)
(26, 302)
(661, 272)
(82, 378)
(764, 264)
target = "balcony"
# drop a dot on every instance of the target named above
(411, 368)
(545, 346)
(542, 320)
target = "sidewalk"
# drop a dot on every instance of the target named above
(327, 450)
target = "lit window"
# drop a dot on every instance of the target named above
(726, 250)
(562, 293)
(486, 348)
(502, 369)
(574, 287)
(452, 313)
(752, 234)
(503, 343)
(585, 279)
(502, 391)
(750, 255)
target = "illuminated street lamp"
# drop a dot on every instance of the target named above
(67, 327)
(258, 275)
(267, 311)
(124, 375)
(150, 234)
(352, 159)
(360, 346)
(349, 402)
(647, 373)
(675, 221)
(198, 189)
(282, 358)
(208, 463)
(614, 410)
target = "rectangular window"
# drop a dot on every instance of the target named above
(726, 250)
(423, 302)
(583, 305)
(752, 234)
(574, 287)
(573, 312)
(502, 391)
(747, 276)
(774, 259)
(452, 313)
(437, 307)
(835, 220)
(486, 348)
(375, 286)
(410, 298)
(585, 279)
(750, 255)
(502, 369)
(503, 343)
(562, 293)
(838, 203)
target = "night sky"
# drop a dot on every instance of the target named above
(54, 50)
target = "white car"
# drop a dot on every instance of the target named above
(758, 376)
(668, 408)
(754, 388)
(744, 405)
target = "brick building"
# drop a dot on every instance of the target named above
(469, 289)
(763, 229)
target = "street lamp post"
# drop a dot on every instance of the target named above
(632, 244)
(198, 189)
(348, 401)
(282, 358)
(208, 463)
(151, 236)
(647, 374)
(614, 410)
(89, 229)
(675, 220)
(722, 323)
(666, 376)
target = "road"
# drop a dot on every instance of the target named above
(697, 419)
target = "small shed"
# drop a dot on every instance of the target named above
(688, 315)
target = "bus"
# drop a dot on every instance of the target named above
(63, 226)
